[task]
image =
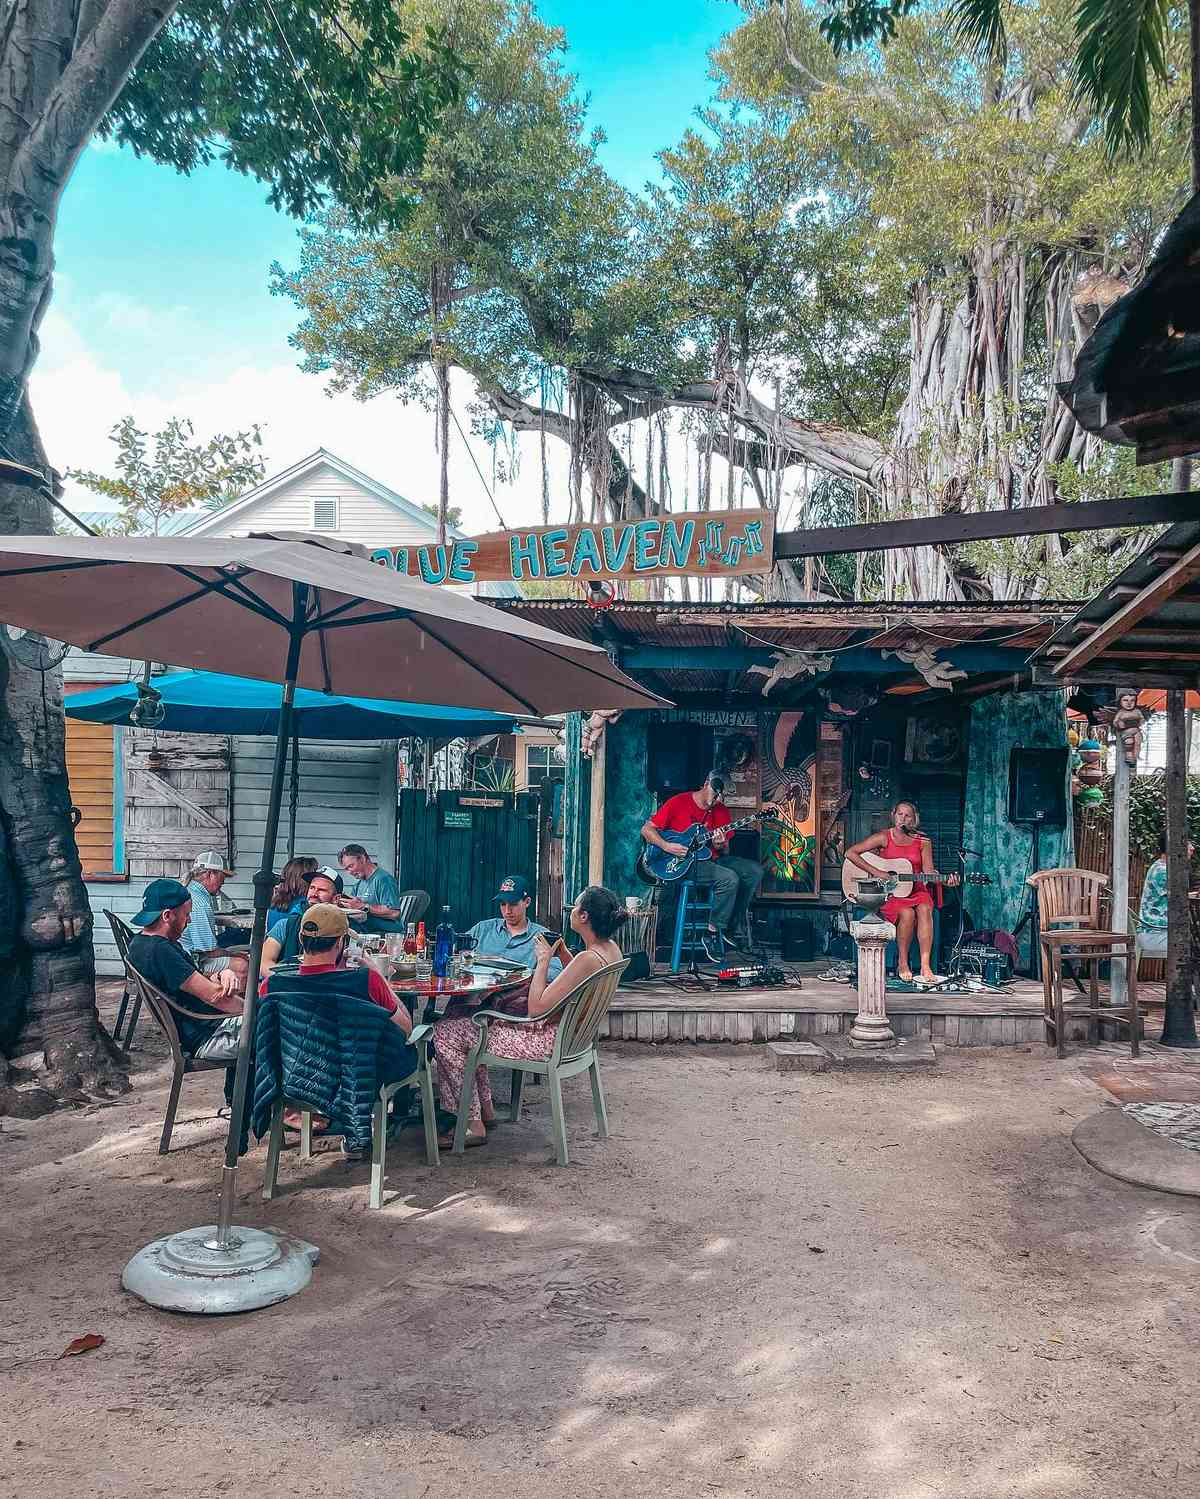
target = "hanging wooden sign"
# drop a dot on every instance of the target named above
(720, 543)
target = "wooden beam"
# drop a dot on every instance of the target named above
(1167, 583)
(988, 525)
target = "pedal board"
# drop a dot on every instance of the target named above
(757, 976)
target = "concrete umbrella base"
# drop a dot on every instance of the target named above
(188, 1272)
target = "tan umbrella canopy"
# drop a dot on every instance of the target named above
(233, 605)
(305, 613)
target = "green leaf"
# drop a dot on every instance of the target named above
(1122, 43)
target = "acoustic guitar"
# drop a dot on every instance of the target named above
(898, 875)
(657, 867)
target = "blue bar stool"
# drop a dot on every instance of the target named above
(692, 916)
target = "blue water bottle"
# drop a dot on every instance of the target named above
(443, 945)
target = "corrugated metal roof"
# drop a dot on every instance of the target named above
(1154, 645)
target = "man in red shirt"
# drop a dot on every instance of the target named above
(734, 881)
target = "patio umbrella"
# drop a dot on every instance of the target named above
(307, 614)
(209, 702)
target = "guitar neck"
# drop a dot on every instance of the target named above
(732, 827)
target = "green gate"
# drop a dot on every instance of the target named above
(459, 845)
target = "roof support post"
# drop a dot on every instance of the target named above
(1179, 1021)
(1120, 867)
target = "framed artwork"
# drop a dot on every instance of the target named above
(932, 741)
(788, 775)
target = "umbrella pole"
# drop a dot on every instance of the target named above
(264, 883)
(294, 798)
(223, 1268)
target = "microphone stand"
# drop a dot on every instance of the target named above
(956, 975)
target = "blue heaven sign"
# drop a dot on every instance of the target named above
(719, 543)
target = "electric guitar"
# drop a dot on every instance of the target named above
(898, 875)
(657, 867)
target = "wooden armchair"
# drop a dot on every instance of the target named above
(578, 1016)
(164, 1009)
(1070, 932)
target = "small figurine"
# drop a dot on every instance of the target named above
(1126, 720)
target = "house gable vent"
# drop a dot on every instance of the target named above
(325, 515)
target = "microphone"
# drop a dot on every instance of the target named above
(974, 852)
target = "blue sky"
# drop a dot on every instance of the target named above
(162, 304)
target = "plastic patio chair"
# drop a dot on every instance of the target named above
(420, 1079)
(580, 1014)
(164, 1009)
(123, 935)
(412, 906)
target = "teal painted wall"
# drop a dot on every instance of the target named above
(998, 723)
(627, 802)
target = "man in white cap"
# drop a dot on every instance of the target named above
(200, 938)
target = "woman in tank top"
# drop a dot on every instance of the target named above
(910, 913)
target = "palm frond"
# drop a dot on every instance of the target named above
(1121, 45)
(979, 26)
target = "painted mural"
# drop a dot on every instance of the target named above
(788, 759)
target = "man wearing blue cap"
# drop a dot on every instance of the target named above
(158, 955)
(511, 934)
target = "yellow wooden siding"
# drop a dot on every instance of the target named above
(90, 772)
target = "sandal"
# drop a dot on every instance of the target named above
(446, 1142)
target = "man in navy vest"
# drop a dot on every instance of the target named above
(324, 938)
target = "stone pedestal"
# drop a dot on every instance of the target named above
(871, 1030)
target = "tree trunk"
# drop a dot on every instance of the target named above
(443, 435)
(51, 1045)
(64, 63)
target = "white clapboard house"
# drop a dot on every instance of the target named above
(151, 801)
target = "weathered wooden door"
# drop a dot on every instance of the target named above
(177, 801)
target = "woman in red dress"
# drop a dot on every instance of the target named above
(909, 912)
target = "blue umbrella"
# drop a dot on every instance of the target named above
(205, 702)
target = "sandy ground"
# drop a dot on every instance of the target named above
(885, 1288)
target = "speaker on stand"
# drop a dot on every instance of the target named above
(1037, 798)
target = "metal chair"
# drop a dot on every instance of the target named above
(420, 1079)
(578, 1016)
(164, 1009)
(123, 935)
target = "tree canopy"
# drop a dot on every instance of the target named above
(870, 264)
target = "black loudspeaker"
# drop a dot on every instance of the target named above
(797, 940)
(1037, 786)
(678, 756)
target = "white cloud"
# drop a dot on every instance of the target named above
(77, 400)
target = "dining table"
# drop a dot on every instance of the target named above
(480, 987)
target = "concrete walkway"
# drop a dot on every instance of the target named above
(1120, 1146)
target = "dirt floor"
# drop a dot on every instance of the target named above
(885, 1288)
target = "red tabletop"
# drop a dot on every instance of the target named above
(480, 986)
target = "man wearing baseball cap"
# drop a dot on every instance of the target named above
(510, 935)
(322, 975)
(200, 937)
(282, 944)
(158, 955)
